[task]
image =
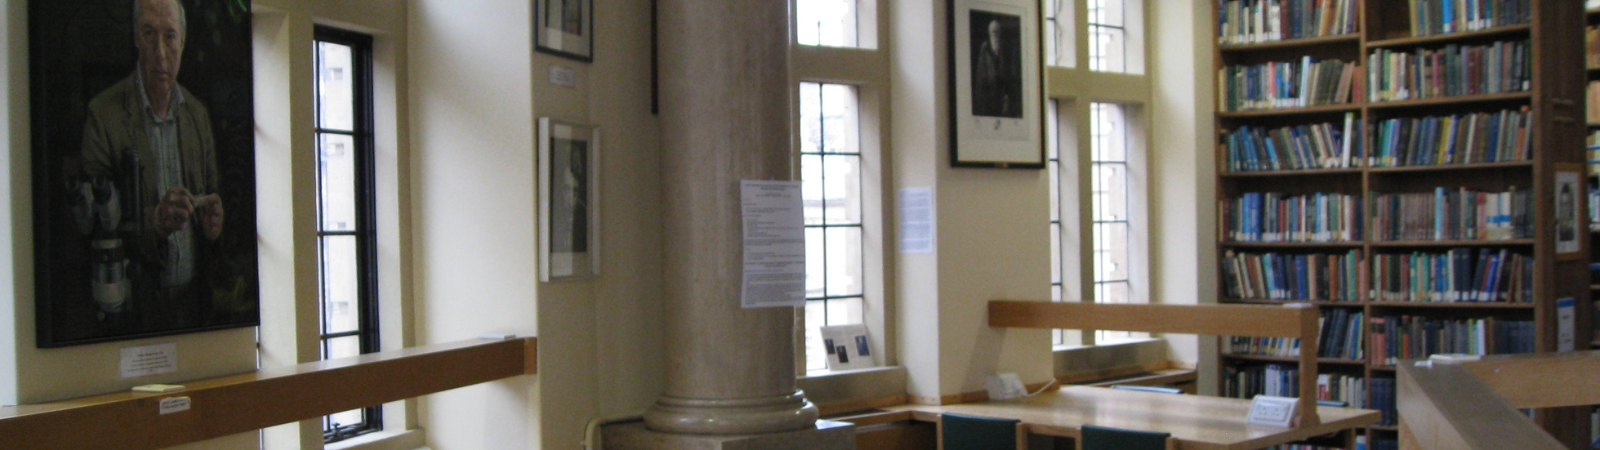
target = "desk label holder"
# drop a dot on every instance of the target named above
(1272, 411)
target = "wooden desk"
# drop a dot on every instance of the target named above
(1198, 422)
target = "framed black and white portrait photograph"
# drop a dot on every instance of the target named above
(569, 198)
(143, 168)
(996, 107)
(1569, 201)
(564, 28)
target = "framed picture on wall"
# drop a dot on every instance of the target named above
(143, 169)
(569, 199)
(996, 109)
(564, 28)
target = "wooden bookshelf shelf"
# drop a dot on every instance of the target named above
(1472, 243)
(1594, 287)
(1293, 245)
(1452, 167)
(1290, 173)
(1292, 43)
(1554, 71)
(1459, 100)
(1453, 305)
(1292, 359)
(1319, 109)
(1497, 32)
(1384, 428)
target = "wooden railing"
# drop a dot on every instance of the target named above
(1290, 321)
(252, 401)
(1473, 405)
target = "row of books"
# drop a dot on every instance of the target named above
(1454, 139)
(1254, 21)
(1339, 338)
(1289, 84)
(1500, 67)
(1431, 17)
(1458, 275)
(1283, 276)
(1591, 46)
(1383, 401)
(1397, 338)
(1278, 217)
(1302, 147)
(1452, 214)
(1271, 379)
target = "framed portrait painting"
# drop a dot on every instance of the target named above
(143, 168)
(996, 109)
(564, 28)
(569, 199)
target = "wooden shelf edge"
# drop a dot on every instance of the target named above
(1292, 359)
(1291, 43)
(1319, 109)
(1453, 100)
(1424, 40)
(1446, 305)
(264, 398)
(1452, 167)
(1289, 173)
(1235, 244)
(1473, 243)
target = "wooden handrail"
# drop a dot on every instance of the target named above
(241, 403)
(1473, 405)
(1295, 320)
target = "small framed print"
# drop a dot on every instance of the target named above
(996, 110)
(569, 196)
(564, 28)
(1569, 202)
(848, 347)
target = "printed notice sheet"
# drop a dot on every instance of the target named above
(149, 360)
(774, 244)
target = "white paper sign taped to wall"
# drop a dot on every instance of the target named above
(773, 214)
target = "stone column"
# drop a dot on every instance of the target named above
(724, 86)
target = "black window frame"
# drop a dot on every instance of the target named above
(365, 230)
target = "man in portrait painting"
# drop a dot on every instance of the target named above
(996, 67)
(148, 150)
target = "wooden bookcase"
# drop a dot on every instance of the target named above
(1553, 97)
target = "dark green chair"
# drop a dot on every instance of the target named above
(1092, 437)
(961, 432)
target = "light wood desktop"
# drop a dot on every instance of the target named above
(1197, 422)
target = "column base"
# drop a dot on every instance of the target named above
(732, 417)
(823, 435)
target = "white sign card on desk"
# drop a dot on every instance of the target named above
(1272, 411)
(773, 216)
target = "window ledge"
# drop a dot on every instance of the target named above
(382, 440)
(854, 390)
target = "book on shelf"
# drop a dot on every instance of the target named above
(1591, 108)
(1339, 338)
(1453, 70)
(1256, 21)
(1383, 400)
(1327, 145)
(1432, 17)
(1281, 380)
(1299, 277)
(1460, 275)
(1405, 337)
(1449, 214)
(1593, 195)
(1279, 217)
(1591, 47)
(1455, 139)
(1289, 84)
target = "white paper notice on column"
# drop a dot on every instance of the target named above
(774, 244)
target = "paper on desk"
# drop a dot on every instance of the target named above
(774, 244)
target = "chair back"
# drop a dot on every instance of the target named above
(962, 432)
(1094, 437)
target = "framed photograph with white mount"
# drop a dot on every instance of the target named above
(996, 109)
(564, 28)
(569, 199)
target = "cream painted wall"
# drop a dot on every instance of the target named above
(992, 237)
(472, 145)
(1182, 171)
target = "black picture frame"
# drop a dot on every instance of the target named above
(569, 199)
(569, 34)
(101, 271)
(996, 105)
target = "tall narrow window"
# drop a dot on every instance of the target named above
(1108, 132)
(1108, 36)
(346, 237)
(831, 23)
(1053, 166)
(830, 171)
(1058, 39)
